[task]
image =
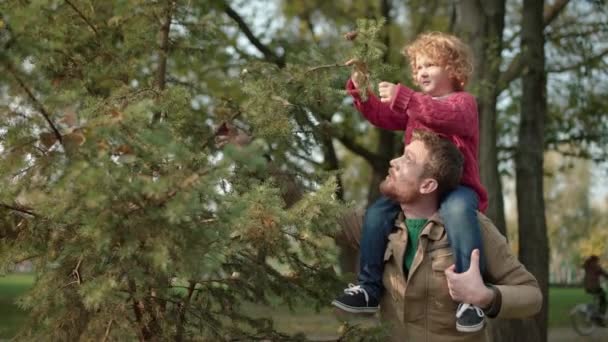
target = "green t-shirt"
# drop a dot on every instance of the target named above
(414, 227)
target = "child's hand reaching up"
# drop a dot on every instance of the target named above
(360, 76)
(386, 90)
(360, 73)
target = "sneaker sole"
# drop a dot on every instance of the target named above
(353, 309)
(470, 328)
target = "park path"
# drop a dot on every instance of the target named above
(566, 334)
(569, 335)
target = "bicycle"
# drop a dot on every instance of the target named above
(584, 317)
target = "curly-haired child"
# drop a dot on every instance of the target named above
(441, 65)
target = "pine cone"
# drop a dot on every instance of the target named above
(352, 35)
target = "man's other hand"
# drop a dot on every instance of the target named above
(468, 287)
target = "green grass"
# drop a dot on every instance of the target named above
(561, 300)
(302, 319)
(11, 316)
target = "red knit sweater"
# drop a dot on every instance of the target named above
(453, 116)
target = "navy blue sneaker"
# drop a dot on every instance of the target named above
(356, 300)
(469, 318)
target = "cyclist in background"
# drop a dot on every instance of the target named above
(593, 271)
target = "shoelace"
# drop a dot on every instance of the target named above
(354, 289)
(464, 307)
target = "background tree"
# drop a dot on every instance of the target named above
(533, 241)
(481, 24)
(575, 222)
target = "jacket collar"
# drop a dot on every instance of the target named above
(433, 229)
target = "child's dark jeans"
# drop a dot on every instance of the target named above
(458, 211)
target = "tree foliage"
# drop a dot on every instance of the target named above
(137, 224)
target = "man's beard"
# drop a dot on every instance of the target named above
(388, 189)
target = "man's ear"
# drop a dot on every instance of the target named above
(428, 185)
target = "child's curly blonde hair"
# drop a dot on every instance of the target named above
(446, 50)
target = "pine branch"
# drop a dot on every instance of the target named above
(163, 52)
(82, 16)
(76, 271)
(307, 159)
(328, 66)
(27, 143)
(299, 238)
(107, 334)
(269, 55)
(517, 66)
(8, 65)
(209, 281)
(144, 332)
(19, 209)
(163, 44)
(552, 12)
(182, 311)
(76, 274)
(29, 257)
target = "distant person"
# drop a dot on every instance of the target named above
(593, 271)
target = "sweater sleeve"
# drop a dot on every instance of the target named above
(376, 112)
(454, 115)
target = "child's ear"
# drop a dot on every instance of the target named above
(428, 185)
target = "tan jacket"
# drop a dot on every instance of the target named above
(420, 308)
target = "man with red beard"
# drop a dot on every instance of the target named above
(423, 290)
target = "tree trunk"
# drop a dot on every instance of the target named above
(533, 241)
(481, 24)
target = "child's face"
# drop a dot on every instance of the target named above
(432, 78)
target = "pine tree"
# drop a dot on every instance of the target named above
(139, 226)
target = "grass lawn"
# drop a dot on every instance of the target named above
(561, 300)
(11, 317)
(303, 319)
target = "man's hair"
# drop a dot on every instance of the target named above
(445, 162)
(446, 50)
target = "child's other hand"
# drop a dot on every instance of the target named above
(360, 74)
(386, 90)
